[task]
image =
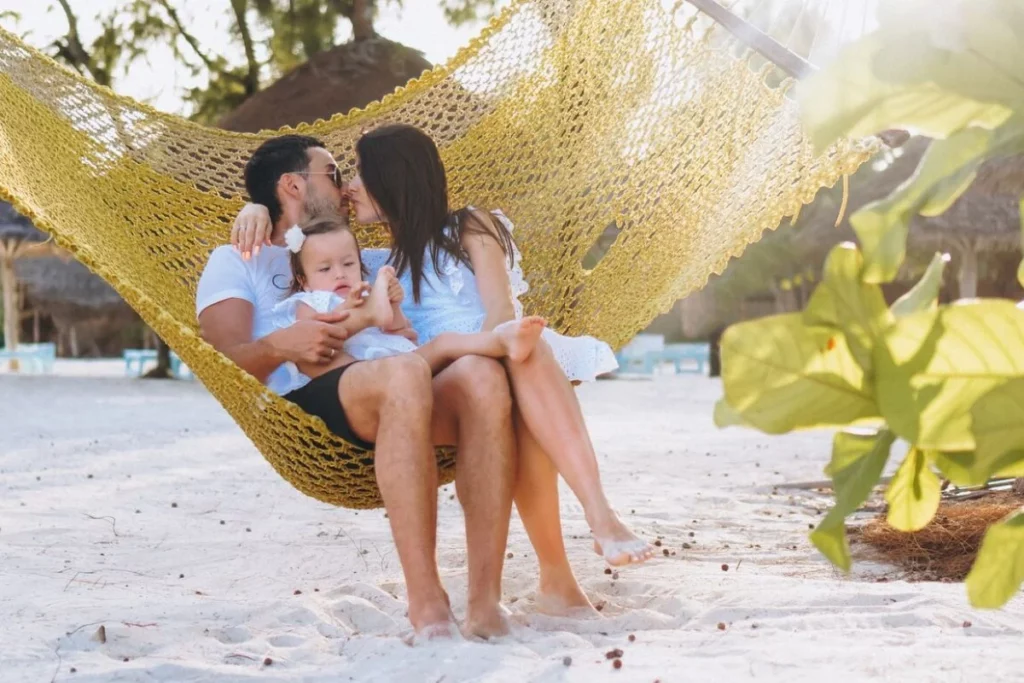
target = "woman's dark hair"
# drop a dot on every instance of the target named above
(274, 158)
(320, 225)
(403, 173)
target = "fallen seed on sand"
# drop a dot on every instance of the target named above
(613, 654)
(599, 606)
(967, 624)
(174, 505)
(725, 567)
(665, 552)
(74, 670)
(248, 529)
(687, 546)
(90, 476)
(632, 638)
(126, 659)
(222, 522)
(508, 556)
(567, 661)
(658, 543)
(607, 570)
(268, 661)
(691, 534)
(721, 626)
(617, 664)
(297, 592)
(181, 576)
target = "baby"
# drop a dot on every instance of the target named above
(328, 276)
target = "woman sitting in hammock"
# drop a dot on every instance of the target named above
(462, 270)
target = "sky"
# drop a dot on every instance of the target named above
(158, 80)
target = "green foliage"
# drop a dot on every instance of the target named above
(858, 459)
(948, 380)
(999, 569)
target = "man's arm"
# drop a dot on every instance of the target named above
(227, 326)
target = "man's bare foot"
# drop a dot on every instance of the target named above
(381, 310)
(618, 545)
(520, 338)
(486, 623)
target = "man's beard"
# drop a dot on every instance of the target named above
(319, 205)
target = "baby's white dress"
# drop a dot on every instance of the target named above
(369, 344)
(450, 302)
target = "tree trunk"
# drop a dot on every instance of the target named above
(10, 297)
(163, 362)
(968, 277)
(362, 20)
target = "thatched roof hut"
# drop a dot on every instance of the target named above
(334, 81)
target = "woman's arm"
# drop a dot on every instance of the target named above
(490, 264)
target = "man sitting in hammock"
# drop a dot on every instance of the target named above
(391, 405)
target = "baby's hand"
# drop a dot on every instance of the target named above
(356, 297)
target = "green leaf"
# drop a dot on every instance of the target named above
(858, 459)
(999, 569)
(1020, 268)
(998, 424)
(913, 494)
(843, 301)
(725, 416)
(932, 367)
(946, 170)
(963, 469)
(781, 375)
(923, 296)
(848, 99)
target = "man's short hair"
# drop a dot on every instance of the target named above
(274, 158)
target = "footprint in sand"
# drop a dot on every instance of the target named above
(233, 635)
(362, 616)
(286, 640)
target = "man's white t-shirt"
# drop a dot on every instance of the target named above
(263, 281)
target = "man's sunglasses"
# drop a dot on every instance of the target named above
(335, 176)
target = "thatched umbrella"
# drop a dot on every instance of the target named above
(18, 239)
(333, 81)
(72, 296)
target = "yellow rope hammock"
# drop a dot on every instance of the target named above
(569, 115)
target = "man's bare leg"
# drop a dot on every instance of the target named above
(536, 497)
(473, 407)
(390, 401)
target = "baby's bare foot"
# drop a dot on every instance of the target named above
(520, 339)
(381, 311)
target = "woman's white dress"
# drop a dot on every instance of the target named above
(450, 302)
(368, 344)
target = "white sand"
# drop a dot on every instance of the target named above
(90, 469)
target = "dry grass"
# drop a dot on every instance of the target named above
(945, 549)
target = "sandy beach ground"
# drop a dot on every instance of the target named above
(140, 507)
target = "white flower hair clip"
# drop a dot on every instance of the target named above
(294, 239)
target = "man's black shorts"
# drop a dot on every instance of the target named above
(320, 398)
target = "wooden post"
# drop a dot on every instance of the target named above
(9, 286)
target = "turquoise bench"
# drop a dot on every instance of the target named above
(135, 361)
(35, 358)
(694, 356)
(642, 354)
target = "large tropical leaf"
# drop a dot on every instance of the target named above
(998, 570)
(934, 366)
(781, 375)
(858, 459)
(998, 425)
(913, 494)
(923, 296)
(845, 302)
(926, 68)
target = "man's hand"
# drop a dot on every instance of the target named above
(316, 340)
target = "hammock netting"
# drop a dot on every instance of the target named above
(579, 118)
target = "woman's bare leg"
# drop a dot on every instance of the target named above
(549, 408)
(536, 497)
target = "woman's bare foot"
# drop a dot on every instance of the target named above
(560, 595)
(486, 623)
(619, 546)
(379, 303)
(520, 338)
